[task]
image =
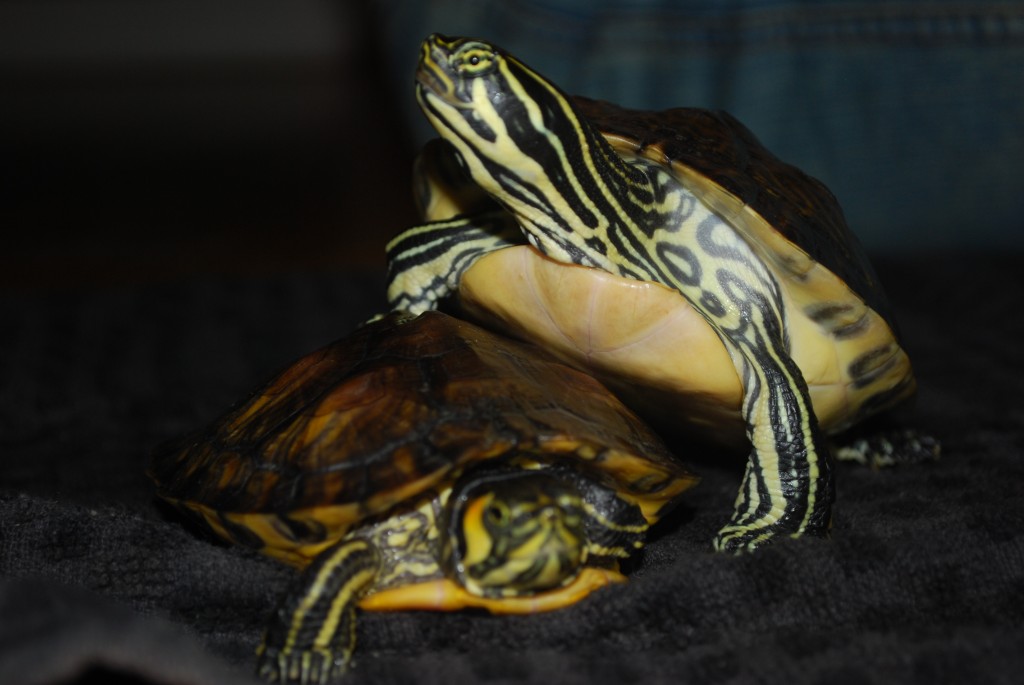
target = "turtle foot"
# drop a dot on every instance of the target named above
(890, 448)
(736, 540)
(290, 667)
(733, 540)
(312, 635)
(740, 538)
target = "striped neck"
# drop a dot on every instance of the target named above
(522, 141)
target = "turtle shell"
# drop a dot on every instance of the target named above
(390, 412)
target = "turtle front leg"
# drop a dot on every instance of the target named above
(426, 262)
(787, 488)
(312, 634)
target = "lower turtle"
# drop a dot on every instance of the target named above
(708, 283)
(423, 463)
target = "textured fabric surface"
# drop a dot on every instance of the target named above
(922, 581)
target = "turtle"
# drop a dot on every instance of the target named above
(717, 289)
(422, 462)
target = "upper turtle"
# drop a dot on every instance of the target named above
(669, 253)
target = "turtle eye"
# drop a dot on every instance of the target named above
(473, 60)
(497, 515)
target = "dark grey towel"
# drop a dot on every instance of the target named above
(922, 581)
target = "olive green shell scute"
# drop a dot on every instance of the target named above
(391, 411)
(717, 146)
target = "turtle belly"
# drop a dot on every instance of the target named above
(651, 347)
(642, 339)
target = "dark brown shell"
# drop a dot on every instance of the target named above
(396, 408)
(718, 148)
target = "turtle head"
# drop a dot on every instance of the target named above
(461, 72)
(522, 141)
(494, 109)
(516, 533)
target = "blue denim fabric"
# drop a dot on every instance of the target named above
(911, 112)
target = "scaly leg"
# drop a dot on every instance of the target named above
(426, 262)
(787, 489)
(312, 635)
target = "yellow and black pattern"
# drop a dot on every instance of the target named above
(787, 485)
(578, 201)
(566, 207)
(409, 541)
(311, 637)
(513, 529)
(426, 262)
(517, 530)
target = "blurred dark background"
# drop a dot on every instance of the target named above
(154, 140)
(143, 141)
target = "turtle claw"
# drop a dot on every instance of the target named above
(743, 535)
(890, 448)
(733, 540)
(312, 635)
(289, 667)
(741, 540)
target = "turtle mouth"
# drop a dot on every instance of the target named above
(431, 88)
(430, 81)
(432, 76)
